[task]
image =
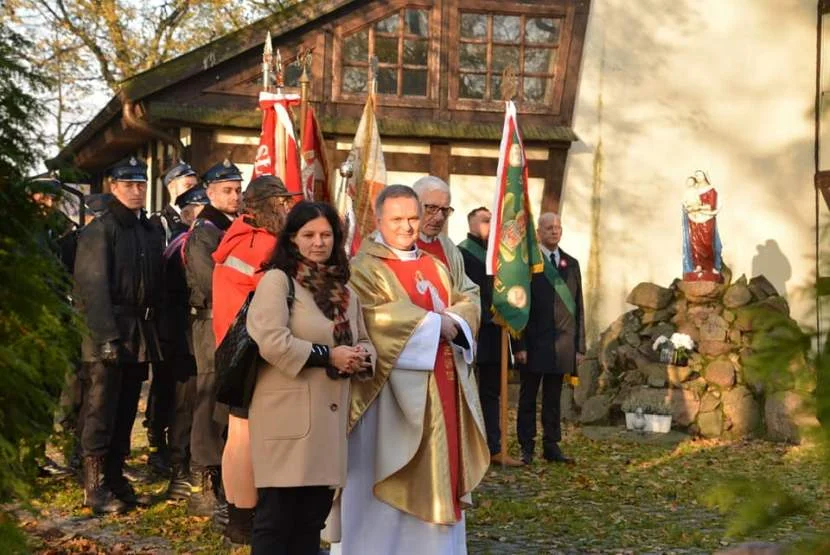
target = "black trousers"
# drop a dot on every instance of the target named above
(110, 405)
(288, 521)
(489, 389)
(178, 434)
(551, 417)
(206, 435)
(161, 400)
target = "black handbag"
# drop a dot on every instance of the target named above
(237, 358)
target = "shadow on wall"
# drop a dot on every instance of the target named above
(773, 264)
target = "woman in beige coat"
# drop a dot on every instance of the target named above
(311, 347)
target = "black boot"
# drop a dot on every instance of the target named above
(159, 458)
(120, 486)
(220, 510)
(179, 486)
(240, 524)
(202, 494)
(96, 494)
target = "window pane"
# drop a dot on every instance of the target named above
(354, 79)
(495, 87)
(415, 52)
(414, 82)
(387, 81)
(504, 56)
(540, 60)
(417, 22)
(506, 28)
(535, 88)
(473, 26)
(388, 25)
(386, 49)
(356, 47)
(471, 86)
(473, 56)
(542, 30)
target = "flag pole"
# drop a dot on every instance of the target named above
(303, 58)
(509, 86)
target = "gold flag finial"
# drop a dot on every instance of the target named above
(278, 70)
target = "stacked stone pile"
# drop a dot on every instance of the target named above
(713, 396)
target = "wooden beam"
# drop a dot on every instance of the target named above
(473, 165)
(554, 177)
(439, 160)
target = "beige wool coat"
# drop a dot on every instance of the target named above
(298, 415)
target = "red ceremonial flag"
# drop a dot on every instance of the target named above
(315, 172)
(278, 153)
(368, 177)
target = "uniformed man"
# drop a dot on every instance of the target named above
(178, 179)
(224, 189)
(178, 347)
(118, 284)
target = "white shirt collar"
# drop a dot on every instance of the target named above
(548, 252)
(426, 239)
(406, 256)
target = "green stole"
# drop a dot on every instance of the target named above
(474, 248)
(555, 279)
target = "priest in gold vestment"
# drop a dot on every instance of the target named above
(417, 446)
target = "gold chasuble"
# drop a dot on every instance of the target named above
(427, 461)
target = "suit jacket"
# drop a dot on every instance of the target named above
(553, 336)
(488, 350)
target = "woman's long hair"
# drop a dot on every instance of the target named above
(286, 256)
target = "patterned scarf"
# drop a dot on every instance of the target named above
(326, 284)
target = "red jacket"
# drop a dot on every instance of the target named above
(238, 258)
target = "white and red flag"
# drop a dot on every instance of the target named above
(315, 173)
(368, 178)
(278, 153)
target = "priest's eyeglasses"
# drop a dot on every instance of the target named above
(433, 209)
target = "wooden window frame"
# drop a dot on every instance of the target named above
(563, 9)
(368, 22)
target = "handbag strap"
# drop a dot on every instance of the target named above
(290, 298)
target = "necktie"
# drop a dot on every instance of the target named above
(553, 260)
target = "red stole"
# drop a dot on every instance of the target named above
(409, 273)
(435, 249)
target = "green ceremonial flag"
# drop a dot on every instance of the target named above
(513, 255)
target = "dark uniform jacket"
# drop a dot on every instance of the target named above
(174, 329)
(118, 284)
(205, 236)
(170, 222)
(552, 336)
(489, 334)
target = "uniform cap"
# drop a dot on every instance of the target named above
(182, 169)
(223, 171)
(98, 202)
(194, 195)
(129, 169)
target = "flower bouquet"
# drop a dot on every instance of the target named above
(674, 350)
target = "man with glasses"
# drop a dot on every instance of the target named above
(118, 284)
(434, 195)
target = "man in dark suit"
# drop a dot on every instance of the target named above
(488, 349)
(552, 344)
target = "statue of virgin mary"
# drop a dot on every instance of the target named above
(701, 241)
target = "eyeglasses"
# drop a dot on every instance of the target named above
(432, 209)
